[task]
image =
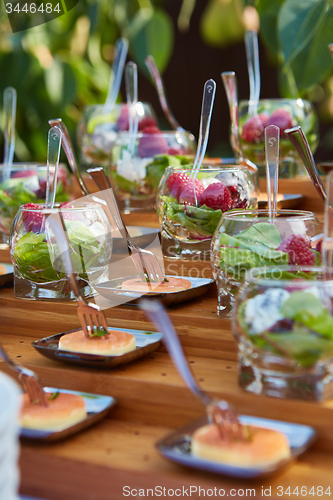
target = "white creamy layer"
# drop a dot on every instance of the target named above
(262, 311)
(132, 169)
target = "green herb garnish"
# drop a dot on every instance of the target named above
(53, 396)
(99, 332)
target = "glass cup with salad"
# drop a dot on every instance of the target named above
(284, 113)
(139, 162)
(27, 184)
(97, 131)
(283, 325)
(190, 210)
(38, 270)
(248, 239)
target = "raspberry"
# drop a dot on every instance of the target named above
(241, 204)
(151, 129)
(216, 196)
(62, 177)
(175, 151)
(298, 247)
(186, 194)
(122, 122)
(152, 143)
(24, 173)
(254, 128)
(147, 121)
(32, 219)
(175, 182)
(282, 119)
(236, 201)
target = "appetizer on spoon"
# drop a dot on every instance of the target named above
(225, 439)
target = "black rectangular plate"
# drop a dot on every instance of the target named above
(97, 407)
(112, 290)
(146, 342)
(177, 446)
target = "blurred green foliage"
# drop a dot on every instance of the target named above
(59, 67)
(297, 33)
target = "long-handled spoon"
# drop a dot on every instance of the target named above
(206, 114)
(156, 76)
(131, 79)
(252, 56)
(28, 379)
(272, 141)
(230, 85)
(53, 154)
(300, 142)
(69, 151)
(220, 412)
(121, 48)
(9, 99)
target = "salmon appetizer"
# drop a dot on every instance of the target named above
(3, 269)
(114, 344)
(172, 285)
(264, 447)
(63, 410)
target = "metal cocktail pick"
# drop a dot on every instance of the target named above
(220, 412)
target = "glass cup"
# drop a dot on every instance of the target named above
(284, 113)
(97, 131)
(27, 184)
(139, 162)
(246, 239)
(38, 269)
(283, 325)
(187, 227)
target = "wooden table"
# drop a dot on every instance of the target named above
(152, 400)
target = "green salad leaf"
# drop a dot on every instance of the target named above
(124, 184)
(200, 222)
(39, 261)
(263, 233)
(307, 309)
(302, 345)
(311, 331)
(33, 259)
(156, 168)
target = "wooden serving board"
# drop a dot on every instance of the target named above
(152, 401)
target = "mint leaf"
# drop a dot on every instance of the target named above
(99, 332)
(307, 309)
(262, 232)
(124, 184)
(302, 345)
(53, 396)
